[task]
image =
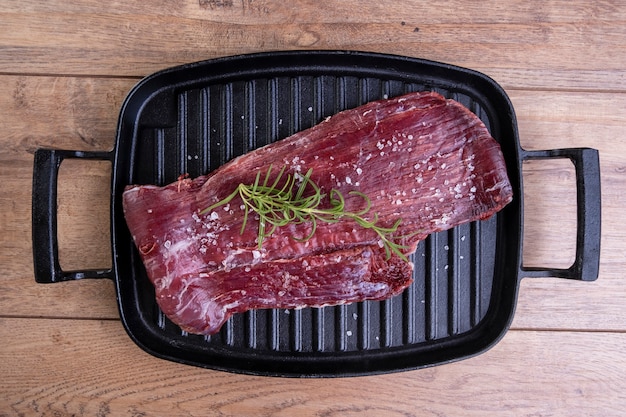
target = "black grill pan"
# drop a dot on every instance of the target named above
(193, 118)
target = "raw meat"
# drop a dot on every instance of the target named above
(420, 158)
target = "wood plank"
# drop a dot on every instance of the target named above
(556, 43)
(66, 112)
(93, 368)
(328, 11)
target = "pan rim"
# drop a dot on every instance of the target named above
(500, 313)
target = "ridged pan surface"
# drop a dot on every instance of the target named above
(195, 118)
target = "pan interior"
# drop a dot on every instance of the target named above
(196, 128)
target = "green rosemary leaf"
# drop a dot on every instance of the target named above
(368, 202)
(245, 219)
(276, 205)
(306, 180)
(221, 202)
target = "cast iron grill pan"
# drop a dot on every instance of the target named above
(194, 118)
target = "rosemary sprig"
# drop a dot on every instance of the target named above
(296, 200)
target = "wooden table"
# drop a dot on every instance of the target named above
(65, 68)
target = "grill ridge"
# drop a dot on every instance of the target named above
(219, 122)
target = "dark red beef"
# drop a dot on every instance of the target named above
(420, 158)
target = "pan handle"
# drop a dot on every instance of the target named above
(587, 260)
(45, 242)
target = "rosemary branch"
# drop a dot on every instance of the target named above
(297, 200)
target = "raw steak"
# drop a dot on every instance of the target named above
(420, 158)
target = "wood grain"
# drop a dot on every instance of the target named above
(84, 215)
(65, 69)
(135, 41)
(92, 368)
(65, 112)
